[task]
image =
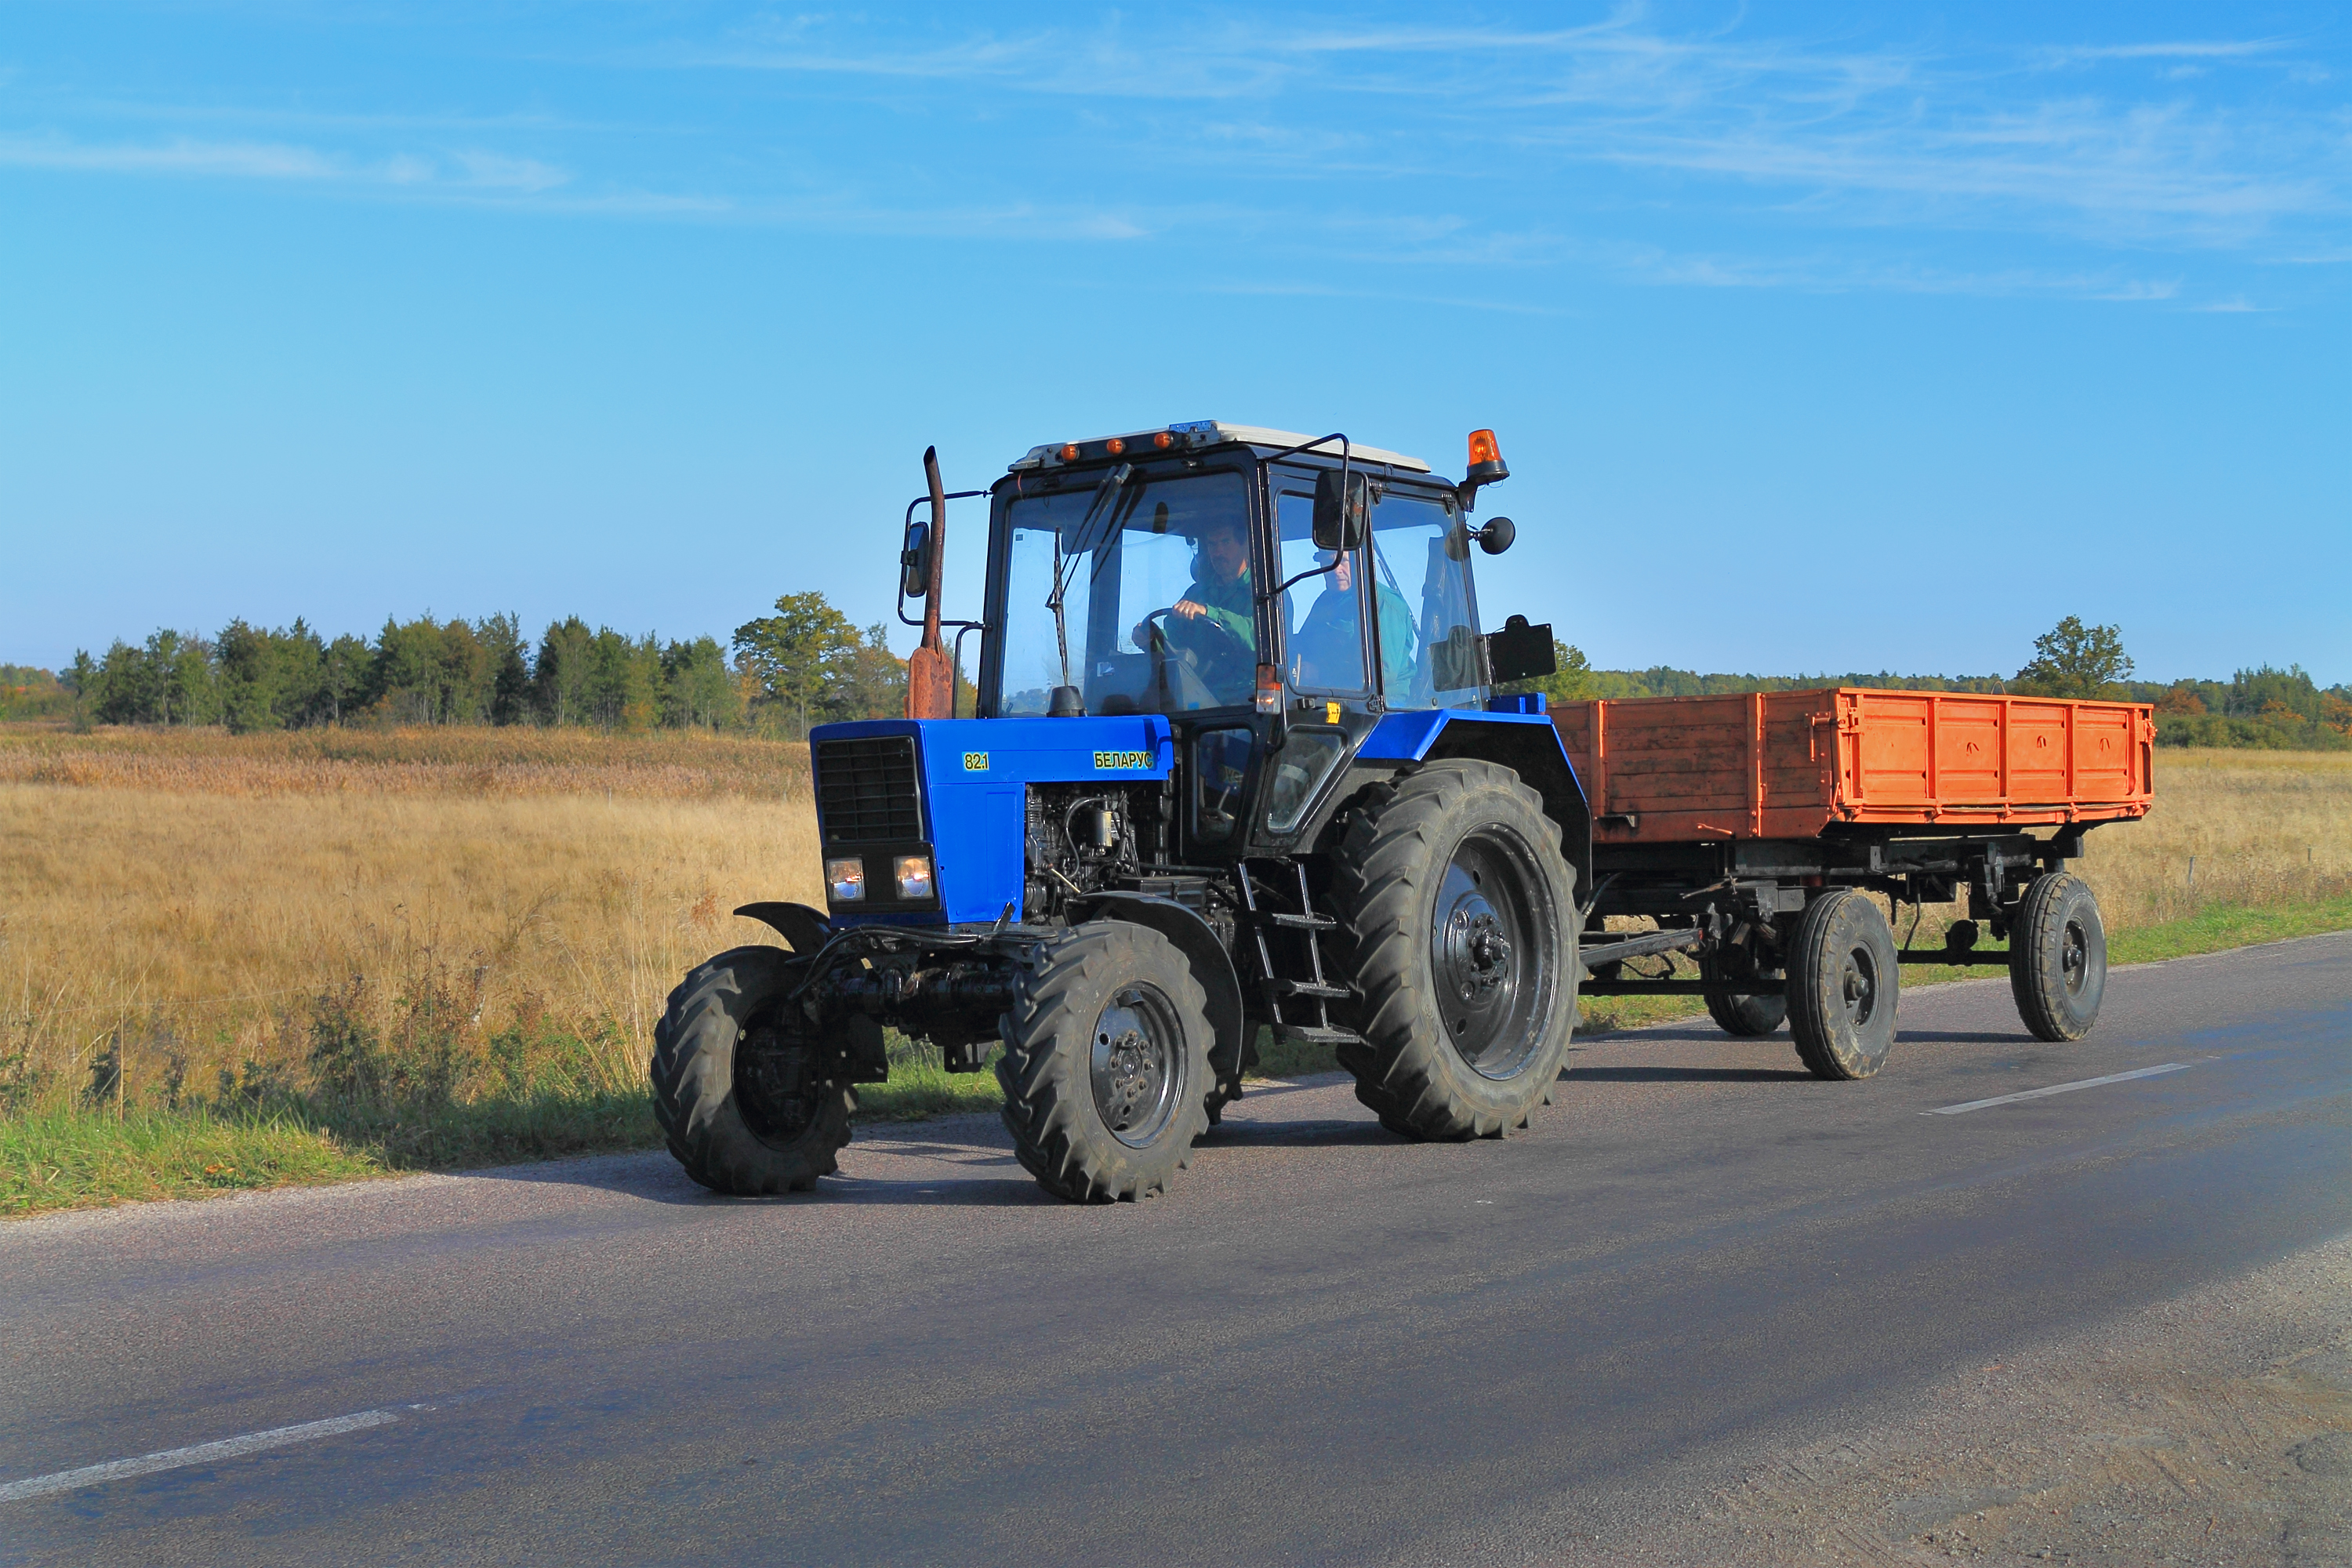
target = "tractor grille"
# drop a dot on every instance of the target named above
(866, 790)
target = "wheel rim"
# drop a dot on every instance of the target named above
(1490, 954)
(2075, 957)
(778, 1087)
(1136, 1062)
(1858, 986)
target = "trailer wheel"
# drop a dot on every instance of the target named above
(1746, 1017)
(1457, 925)
(1106, 1063)
(1844, 981)
(2058, 957)
(748, 1108)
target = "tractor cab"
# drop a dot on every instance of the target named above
(1271, 596)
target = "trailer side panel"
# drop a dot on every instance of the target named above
(1790, 764)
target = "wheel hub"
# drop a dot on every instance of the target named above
(2074, 956)
(1489, 974)
(1858, 986)
(1136, 1065)
(777, 1085)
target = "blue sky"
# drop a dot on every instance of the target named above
(1818, 337)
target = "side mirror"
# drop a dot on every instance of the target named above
(1496, 536)
(915, 561)
(1342, 518)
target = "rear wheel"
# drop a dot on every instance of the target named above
(1106, 1063)
(749, 1107)
(1458, 929)
(1747, 1016)
(1843, 985)
(2058, 957)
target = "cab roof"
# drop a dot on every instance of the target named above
(1194, 436)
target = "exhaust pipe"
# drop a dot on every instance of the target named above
(930, 679)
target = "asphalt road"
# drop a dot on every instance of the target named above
(1326, 1345)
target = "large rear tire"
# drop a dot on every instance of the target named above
(1458, 929)
(1106, 1063)
(1843, 984)
(748, 1109)
(2058, 957)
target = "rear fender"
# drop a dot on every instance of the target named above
(1212, 966)
(1527, 743)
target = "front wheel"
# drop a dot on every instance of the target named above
(1843, 984)
(1457, 925)
(1105, 1064)
(2058, 957)
(748, 1102)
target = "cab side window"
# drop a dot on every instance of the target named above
(1322, 616)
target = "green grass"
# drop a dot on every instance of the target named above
(87, 1158)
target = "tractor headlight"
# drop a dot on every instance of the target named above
(914, 877)
(845, 880)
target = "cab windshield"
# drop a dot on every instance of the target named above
(1157, 589)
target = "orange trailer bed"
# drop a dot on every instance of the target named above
(1790, 764)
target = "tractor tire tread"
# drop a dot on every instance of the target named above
(692, 1083)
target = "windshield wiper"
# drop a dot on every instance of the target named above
(1082, 540)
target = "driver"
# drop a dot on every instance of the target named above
(1220, 591)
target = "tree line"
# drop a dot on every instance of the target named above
(806, 664)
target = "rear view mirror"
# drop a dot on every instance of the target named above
(1496, 536)
(1341, 518)
(915, 561)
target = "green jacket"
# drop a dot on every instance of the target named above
(1232, 605)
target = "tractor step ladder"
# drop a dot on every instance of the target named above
(1280, 983)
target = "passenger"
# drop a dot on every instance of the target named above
(1327, 650)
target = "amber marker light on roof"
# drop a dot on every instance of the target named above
(1164, 440)
(1070, 452)
(1115, 446)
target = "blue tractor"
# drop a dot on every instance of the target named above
(1235, 764)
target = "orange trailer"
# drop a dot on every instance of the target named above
(1752, 831)
(1789, 765)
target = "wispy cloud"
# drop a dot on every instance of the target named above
(1904, 134)
(464, 170)
(1360, 142)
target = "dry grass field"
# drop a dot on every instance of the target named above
(193, 895)
(415, 920)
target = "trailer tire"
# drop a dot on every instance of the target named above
(1105, 1064)
(1449, 887)
(743, 1107)
(2058, 957)
(1844, 982)
(1746, 1017)
(1742, 1017)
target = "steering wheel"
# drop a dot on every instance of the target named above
(1206, 671)
(1224, 646)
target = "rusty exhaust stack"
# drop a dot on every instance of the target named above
(931, 679)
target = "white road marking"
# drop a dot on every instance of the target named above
(2057, 1089)
(202, 1453)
